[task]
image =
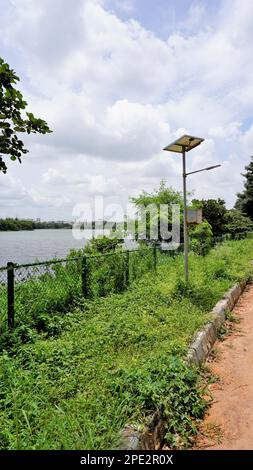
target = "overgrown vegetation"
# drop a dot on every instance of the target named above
(116, 358)
(43, 293)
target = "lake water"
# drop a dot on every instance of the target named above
(29, 246)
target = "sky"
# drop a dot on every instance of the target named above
(117, 80)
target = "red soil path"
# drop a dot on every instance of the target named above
(229, 423)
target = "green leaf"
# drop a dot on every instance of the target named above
(11, 104)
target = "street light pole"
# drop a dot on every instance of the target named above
(182, 145)
(203, 169)
(186, 271)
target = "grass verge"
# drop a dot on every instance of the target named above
(116, 359)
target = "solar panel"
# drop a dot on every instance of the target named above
(186, 142)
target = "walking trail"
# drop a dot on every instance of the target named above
(229, 423)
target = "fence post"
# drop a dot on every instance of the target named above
(155, 257)
(10, 295)
(84, 277)
(127, 267)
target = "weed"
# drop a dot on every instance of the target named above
(223, 332)
(231, 317)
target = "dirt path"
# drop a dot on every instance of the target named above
(229, 424)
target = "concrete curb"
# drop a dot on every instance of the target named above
(201, 346)
(199, 349)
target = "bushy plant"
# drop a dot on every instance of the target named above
(103, 244)
(200, 294)
(214, 212)
(201, 238)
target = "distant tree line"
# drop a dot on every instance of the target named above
(53, 224)
(15, 224)
(10, 224)
(96, 224)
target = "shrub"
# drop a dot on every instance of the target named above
(199, 294)
(201, 238)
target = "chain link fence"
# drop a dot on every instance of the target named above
(30, 292)
(3, 297)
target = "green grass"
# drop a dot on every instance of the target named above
(116, 358)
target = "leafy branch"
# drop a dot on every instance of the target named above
(12, 122)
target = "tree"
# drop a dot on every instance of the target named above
(11, 120)
(244, 201)
(214, 211)
(162, 195)
(236, 222)
(148, 222)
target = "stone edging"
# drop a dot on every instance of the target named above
(199, 349)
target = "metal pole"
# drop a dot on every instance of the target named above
(127, 276)
(10, 294)
(185, 222)
(84, 277)
(154, 257)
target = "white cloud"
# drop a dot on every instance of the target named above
(126, 6)
(247, 141)
(231, 131)
(195, 19)
(115, 94)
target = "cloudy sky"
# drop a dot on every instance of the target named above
(117, 80)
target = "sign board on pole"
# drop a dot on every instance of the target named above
(194, 216)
